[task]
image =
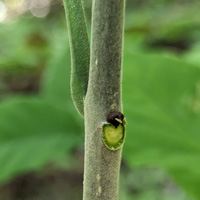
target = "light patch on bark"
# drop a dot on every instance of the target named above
(113, 106)
(99, 191)
(98, 177)
(96, 62)
(93, 3)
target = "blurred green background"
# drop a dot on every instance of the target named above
(41, 134)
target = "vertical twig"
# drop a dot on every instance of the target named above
(102, 165)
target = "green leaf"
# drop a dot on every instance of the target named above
(155, 22)
(162, 107)
(33, 133)
(80, 51)
(193, 55)
(55, 86)
(28, 49)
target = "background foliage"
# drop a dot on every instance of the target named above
(41, 134)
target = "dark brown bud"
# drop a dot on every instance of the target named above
(115, 118)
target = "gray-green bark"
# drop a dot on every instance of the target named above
(102, 165)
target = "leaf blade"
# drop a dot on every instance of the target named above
(80, 51)
(35, 134)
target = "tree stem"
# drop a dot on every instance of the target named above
(102, 165)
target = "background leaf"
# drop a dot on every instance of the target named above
(34, 133)
(161, 100)
(55, 86)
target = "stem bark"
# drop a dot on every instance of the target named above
(102, 165)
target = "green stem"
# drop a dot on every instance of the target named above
(102, 164)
